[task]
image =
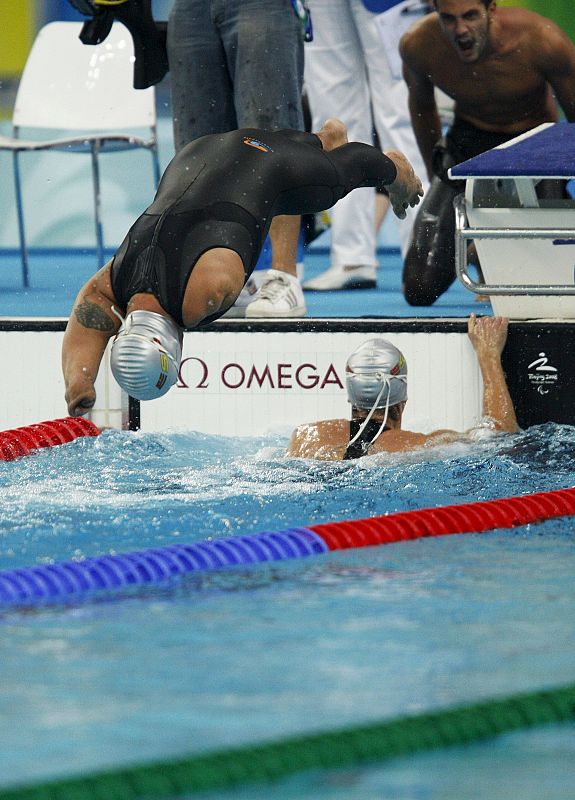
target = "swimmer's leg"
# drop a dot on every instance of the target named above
(429, 266)
(322, 177)
(333, 134)
(360, 165)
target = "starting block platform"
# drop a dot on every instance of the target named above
(525, 244)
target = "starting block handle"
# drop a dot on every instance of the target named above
(463, 233)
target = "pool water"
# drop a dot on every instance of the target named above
(252, 654)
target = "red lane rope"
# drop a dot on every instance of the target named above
(509, 512)
(22, 441)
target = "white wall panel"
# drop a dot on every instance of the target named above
(251, 383)
(248, 383)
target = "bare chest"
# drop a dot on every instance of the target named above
(504, 88)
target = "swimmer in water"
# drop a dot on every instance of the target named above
(186, 259)
(508, 70)
(376, 380)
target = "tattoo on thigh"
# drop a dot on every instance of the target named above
(90, 315)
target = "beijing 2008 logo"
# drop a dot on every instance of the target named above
(542, 375)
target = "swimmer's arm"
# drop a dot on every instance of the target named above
(89, 328)
(555, 53)
(423, 112)
(488, 336)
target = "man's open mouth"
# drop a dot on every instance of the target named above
(465, 45)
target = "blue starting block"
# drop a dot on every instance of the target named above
(525, 244)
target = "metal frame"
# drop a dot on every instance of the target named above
(96, 147)
(463, 233)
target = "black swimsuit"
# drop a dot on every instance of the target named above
(223, 190)
(361, 445)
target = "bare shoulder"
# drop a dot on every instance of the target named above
(101, 283)
(324, 440)
(523, 19)
(552, 47)
(543, 34)
(398, 441)
(418, 44)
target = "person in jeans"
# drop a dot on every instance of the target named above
(239, 64)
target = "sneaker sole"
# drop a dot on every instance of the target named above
(359, 283)
(299, 311)
(234, 313)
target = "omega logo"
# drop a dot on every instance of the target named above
(194, 373)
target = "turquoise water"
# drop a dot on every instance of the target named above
(249, 655)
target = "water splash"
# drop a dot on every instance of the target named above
(129, 491)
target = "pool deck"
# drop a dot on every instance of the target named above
(57, 274)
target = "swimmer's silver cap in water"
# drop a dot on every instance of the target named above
(146, 355)
(376, 375)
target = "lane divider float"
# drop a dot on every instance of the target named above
(22, 441)
(66, 580)
(350, 747)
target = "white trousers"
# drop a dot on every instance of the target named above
(347, 75)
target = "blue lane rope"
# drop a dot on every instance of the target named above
(55, 582)
(48, 582)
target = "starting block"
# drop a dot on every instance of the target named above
(526, 245)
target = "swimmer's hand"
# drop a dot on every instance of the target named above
(488, 335)
(406, 190)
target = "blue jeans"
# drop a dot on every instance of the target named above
(234, 64)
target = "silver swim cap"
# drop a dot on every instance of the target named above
(146, 355)
(376, 375)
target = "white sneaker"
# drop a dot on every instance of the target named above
(280, 295)
(351, 276)
(245, 297)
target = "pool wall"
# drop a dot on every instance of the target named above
(248, 379)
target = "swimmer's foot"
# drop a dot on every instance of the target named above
(333, 134)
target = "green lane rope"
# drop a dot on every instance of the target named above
(345, 747)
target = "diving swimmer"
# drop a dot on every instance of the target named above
(187, 257)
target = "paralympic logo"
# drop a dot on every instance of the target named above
(544, 375)
(194, 373)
